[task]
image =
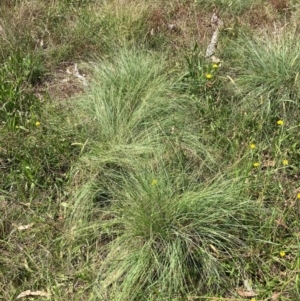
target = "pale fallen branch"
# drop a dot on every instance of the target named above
(216, 24)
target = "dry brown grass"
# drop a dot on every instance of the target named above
(280, 5)
(182, 23)
(259, 17)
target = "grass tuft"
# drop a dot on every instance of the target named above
(176, 237)
(269, 69)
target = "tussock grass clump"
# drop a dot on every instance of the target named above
(174, 237)
(127, 100)
(269, 69)
(132, 111)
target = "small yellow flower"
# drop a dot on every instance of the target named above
(17, 126)
(208, 76)
(280, 122)
(37, 123)
(252, 145)
(298, 196)
(253, 299)
(215, 66)
(282, 253)
(285, 162)
(256, 164)
(154, 182)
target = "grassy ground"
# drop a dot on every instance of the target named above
(149, 173)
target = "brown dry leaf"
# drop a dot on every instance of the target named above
(31, 293)
(246, 294)
(275, 296)
(25, 227)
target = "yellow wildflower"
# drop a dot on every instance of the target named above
(298, 196)
(282, 253)
(280, 122)
(208, 76)
(37, 123)
(154, 182)
(256, 164)
(253, 299)
(215, 66)
(285, 162)
(252, 145)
